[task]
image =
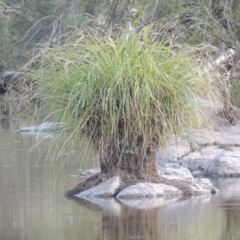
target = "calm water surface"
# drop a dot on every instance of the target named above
(32, 205)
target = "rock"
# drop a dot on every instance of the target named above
(90, 172)
(154, 190)
(225, 164)
(177, 148)
(225, 135)
(102, 190)
(42, 128)
(202, 186)
(169, 170)
(174, 171)
(229, 135)
(204, 137)
(199, 174)
(211, 151)
(200, 159)
(149, 190)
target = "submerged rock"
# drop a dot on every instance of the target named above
(42, 128)
(89, 172)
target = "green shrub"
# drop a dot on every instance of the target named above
(127, 94)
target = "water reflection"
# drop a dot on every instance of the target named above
(121, 222)
(202, 217)
(32, 206)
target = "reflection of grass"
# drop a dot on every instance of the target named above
(117, 91)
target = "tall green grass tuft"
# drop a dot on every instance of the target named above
(126, 94)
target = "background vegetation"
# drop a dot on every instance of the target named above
(29, 25)
(30, 29)
(124, 93)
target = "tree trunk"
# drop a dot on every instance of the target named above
(131, 167)
(130, 164)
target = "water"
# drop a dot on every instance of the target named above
(32, 206)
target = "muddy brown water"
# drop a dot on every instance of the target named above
(32, 205)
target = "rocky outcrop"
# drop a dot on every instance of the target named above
(225, 164)
(199, 160)
(174, 171)
(141, 190)
(45, 127)
(151, 190)
(175, 149)
(214, 153)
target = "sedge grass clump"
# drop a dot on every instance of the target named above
(127, 95)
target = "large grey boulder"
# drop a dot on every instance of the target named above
(204, 137)
(202, 186)
(89, 172)
(149, 190)
(102, 190)
(199, 160)
(199, 187)
(199, 174)
(154, 190)
(174, 171)
(225, 164)
(175, 150)
(229, 135)
(225, 134)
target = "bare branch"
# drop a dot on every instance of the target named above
(56, 30)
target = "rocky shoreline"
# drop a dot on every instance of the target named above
(209, 153)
